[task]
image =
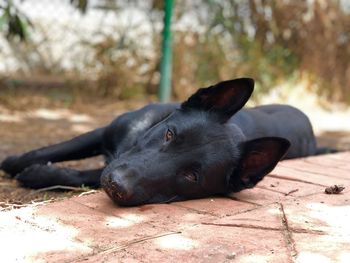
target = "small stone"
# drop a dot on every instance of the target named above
(335, 189)
(231, 256)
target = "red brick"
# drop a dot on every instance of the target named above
(216, 206)
(259, 196)
(27, 236)
(205, 243)
(267, 217)
(332, 160)
(159, 215)
(321, 248)
(329, 214)
(304, 166)
(309, 177)
(251, 228)
(289, 187)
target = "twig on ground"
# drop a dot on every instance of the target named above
(88, 192)
(291, 192)
(118, 248)
(59, 187)
(9, 206)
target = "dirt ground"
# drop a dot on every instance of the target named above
(36, 121)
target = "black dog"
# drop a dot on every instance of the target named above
(171, 152)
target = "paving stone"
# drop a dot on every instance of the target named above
(264, 224)
(340, 156)
(308, 177)
(321, 248)
(216, 206)
(205, 243)
(317, 169)
(115, 227)
(323, 227)
(330, 160)
(289, 187)
(156, 214)
(263, 218)
(326, 214)
(88, 229)
(26, 237)
(259, 196)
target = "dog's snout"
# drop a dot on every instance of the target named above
(119, 189)
(117, 185)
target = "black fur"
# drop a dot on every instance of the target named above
(205, 146)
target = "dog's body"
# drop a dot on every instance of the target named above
(168, 152)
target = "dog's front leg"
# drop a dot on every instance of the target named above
(41, 176)
(83, 146)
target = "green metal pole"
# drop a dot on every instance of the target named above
(166, 60)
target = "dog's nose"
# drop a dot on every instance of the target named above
(116, 186)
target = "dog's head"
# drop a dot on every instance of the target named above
(194, 152)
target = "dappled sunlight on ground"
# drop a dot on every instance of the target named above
(50, 114)
(81, 128)
(24, 235)
(344, 256)
(305, 257)
(71, 230)
(177, 242)
(336, 217)
(254, 258)
(8, 117)
(117, 222)
(124, 220)
(136, 218)
(44, 113)
(274, 211)
(326, 230)
(322, 249)
(207, 230)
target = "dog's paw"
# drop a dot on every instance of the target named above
(37, 176)
(10, 165)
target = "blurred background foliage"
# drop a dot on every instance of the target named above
(111, 48)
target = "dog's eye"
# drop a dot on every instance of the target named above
(192, 173)
(169, 135)
(191, 176)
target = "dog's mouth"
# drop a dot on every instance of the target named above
(123, 198)
(159, 199)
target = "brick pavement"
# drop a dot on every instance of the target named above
(286, 218)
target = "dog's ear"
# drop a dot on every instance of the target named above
(225, 98)
(258, 158)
